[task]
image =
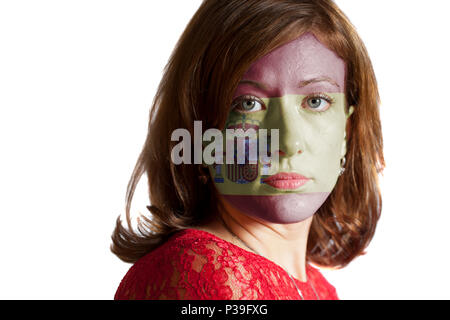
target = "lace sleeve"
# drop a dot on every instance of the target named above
(199, 272)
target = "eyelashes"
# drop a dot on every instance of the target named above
(315, 102)
(248, 104)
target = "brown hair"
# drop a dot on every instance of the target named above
(218, 46)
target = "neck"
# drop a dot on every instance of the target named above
(266, 239)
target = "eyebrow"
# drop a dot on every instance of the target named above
(302, 84)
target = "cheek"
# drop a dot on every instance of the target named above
(327, 140)
(324, 134)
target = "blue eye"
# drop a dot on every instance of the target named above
(319, 102)
(248, 104)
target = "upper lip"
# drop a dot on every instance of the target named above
(286, 176)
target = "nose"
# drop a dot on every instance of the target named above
(291, 129)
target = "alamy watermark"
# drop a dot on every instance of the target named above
(252, 146)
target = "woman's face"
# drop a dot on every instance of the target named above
(299, 89)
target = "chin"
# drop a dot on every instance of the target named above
(280, 209)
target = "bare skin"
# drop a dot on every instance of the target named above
(265, 238)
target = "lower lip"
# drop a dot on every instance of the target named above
(287, 184)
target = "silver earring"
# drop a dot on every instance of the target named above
(342, 169)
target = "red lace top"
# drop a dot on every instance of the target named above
(197, 265)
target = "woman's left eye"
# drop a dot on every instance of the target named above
(319, 103)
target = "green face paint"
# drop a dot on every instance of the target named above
(311, 118)
(321, 135)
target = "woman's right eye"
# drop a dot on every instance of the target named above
(248, 104)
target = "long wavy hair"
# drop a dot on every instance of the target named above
(217, 47)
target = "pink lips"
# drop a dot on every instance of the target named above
(286, 181)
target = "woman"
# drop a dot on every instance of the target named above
(252, 231)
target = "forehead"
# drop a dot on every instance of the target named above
(296, 62)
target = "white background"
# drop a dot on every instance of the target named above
(77, 79)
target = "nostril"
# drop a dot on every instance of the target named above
(282, 153)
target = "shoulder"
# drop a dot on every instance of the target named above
(190, 265)
(323, 288)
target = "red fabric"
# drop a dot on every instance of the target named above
(197, 265)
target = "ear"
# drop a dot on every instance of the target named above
(348, 126)
(348, 131)
(351, 109)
